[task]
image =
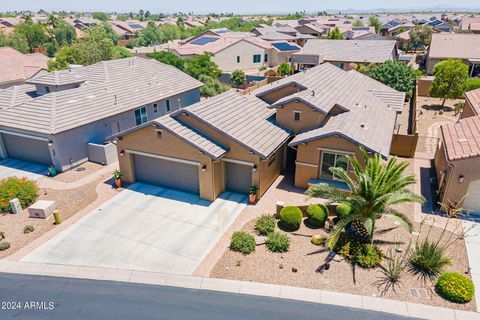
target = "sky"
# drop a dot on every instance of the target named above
(236, 6)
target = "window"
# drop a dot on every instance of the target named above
(141, 116)
(47, 89)
(257, 58)
(167, 105)
(155, 108)
(238, 59)
(330, 160)
(265, 57)
(296, 115)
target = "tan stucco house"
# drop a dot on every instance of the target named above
(457, 160)
(304, 123)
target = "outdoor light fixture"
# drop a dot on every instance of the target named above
(122, 153)
(461, 178)
(254, 168)
(50, 143)
(204, 168)
(304, 143)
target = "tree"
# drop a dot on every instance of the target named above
(168, 58)
(65, 56)
(121, 52)
(238, 78)
(211, 87)
(202, 65)
(284, 69)
(374, 22)
(420, 36)
(396, 75)
(14, 40)
(450, 79)
(358, 23)
(335, 34)
(149, 36)
(375, 188)
(33, 32)
(102, 16)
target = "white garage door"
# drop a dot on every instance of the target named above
(27, 149)
(472, 201)
(166, 173)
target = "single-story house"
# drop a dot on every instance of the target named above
(352, 33)
(314, 29)
(17, 67)
(457, 160)
(63, 118)
(307, 122)
(403, 40)
(454, 46)
(344, 52)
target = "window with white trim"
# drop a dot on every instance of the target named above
(141, 116)
(332, 160)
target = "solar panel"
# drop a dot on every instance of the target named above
(220, 31)
(285, 46)
(135, 26)
(361, 28)
(204, 40)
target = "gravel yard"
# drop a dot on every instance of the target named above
(79, 172)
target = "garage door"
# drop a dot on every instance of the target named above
(239, 177)
(472, 201)
(27, 149)
(166, 173)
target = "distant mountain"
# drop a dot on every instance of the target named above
(438, 8)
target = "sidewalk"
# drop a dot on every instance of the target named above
(241, 287)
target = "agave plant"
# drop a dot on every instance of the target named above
(375, 187)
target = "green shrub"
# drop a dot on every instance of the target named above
(291, 218)
(4, 245)
(343, 210)
(242, 242)
(28, 228)
(265, 224)
(428, 258)
(363, 254)
(472, 84)
(278, 242)
(317, 214)
(13, 187)
(455, 287)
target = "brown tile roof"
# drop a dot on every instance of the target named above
(17, 66)
(455, 45)
(473, 97)
(462, 139)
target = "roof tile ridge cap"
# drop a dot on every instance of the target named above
(53, 112)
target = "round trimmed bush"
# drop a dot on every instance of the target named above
(278, 242)
(4, 245)
(363, 254)
(291, 218)
(242, 242)
(318, 240)
(455, 287)
(343, 210)
(28, 229)
(265, 224)
(13, 187)
(317, 214)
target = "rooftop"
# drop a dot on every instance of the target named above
(17, 66)
(215, 44)
(462, 139)
(473, 97)
(455, 45)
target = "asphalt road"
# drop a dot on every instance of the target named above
(40, 297)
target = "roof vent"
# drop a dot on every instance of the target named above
(313, 93)
(460, 140)
(363, 126)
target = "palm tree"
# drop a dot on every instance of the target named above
(375, 188)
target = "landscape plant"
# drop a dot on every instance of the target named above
(243, 242)
(374, 22)
(238, 78)
(14, 187)
(420, 36)
(396, 75)
(284, 69)
(277, 242)
(450, 80)
(317, 214)
(335, 34)
(4, 245)
(291, 218)
(455, 287)
(364, 255)
(28, 229)
(211, 87)
(392, 270)
(265, 224)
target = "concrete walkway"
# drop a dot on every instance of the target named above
(241, 287)
(472, 242)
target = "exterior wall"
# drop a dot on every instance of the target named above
(309, 156)
(309, 119)
(423, 86)
(11, 84)
(270, 169)
(70, 147)
(277, 58)
(404, 145)
(227, 58)
(468, 111)
(147, 140)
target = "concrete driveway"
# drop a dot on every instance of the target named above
(12, 167)
(144, 228)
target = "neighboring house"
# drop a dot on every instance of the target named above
(457, 161)
(454, 46)
(233, 141)
(440, 25)
(344, 52)
(352, 33)
(281, 33)
(470, 23)
(64, 117)
(16, 67)
(314, 29)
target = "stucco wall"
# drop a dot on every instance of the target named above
(309, 119)
(227, 58)
(404, 145)
(468, 111)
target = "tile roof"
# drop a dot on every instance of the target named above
(17, 66)
(112, 87)
(462, 139)
(473, 97)
(455, 45)
(243, 118)
(218, 45)
(350, 50)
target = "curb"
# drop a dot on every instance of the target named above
(240, 287)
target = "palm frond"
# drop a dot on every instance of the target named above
(326, 191)
(400, 218)
(337, 231)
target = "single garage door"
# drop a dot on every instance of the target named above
(27, 149)
(166, 173)
(472, 200)
(239, 177)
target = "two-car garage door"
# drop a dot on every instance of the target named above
(27, 149)
(166, 173)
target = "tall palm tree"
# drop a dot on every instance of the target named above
(375, 188)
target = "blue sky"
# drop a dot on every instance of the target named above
(237, 6)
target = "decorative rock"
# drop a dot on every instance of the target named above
(294, 270)
(280, 266)
(399, 249)
(15, 206)
(260, 240)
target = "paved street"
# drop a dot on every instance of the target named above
(144, 228)
(89, 299)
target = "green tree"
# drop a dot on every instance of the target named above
(358, 23)
(33, 32)
(396, 75)
(420, 36)
(14, 40)
(121, 52)
(374, 22)
(335, 34)
(65, 56)
(202, 65)
(168, 58)
(284, 69)
(450, 79)
(102, 16)
(150, 35)
(238, 78)
(375, 188)
(211, 86)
